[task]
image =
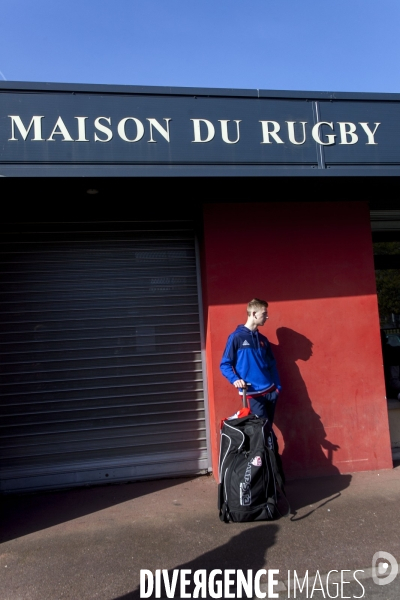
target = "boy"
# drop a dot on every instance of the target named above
(248, 359)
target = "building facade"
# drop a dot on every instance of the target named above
(139, 223)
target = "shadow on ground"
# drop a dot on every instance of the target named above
(247, 550)
(308, 495)
(26, 513)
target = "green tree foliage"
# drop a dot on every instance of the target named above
(388, 282)
(382, 248)
(388, 288)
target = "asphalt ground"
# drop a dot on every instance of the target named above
(92, 543)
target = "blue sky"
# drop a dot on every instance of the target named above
(332, 45)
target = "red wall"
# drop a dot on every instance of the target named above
(313, 263)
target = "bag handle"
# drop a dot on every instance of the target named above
(244, 397)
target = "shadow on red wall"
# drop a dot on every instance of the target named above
(301, 427)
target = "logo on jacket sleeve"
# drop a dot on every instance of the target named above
(257, 462)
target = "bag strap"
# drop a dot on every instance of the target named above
(279, 483)
(287, 513)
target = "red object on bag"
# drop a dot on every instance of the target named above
(243, 412)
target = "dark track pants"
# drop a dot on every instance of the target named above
(264, 406)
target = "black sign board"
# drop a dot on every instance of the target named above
(74, 126)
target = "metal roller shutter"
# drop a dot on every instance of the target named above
(100, 345)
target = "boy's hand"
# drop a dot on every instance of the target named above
(239, 383)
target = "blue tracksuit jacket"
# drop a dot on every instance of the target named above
(248, 356)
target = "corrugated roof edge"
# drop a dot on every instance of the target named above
(26, 86)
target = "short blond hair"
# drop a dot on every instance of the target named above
(256, 304)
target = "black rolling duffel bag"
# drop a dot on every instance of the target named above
(250, 471)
